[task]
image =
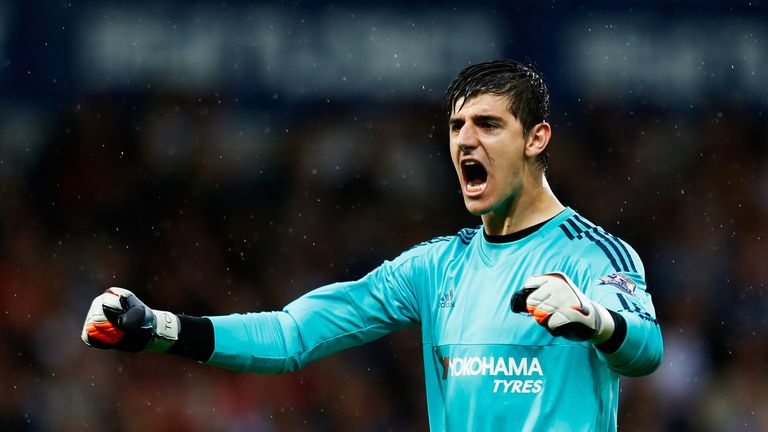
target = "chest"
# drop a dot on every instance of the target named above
(472, 306)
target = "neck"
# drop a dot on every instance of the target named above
(535, 204)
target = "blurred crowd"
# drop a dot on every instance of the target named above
(203, 206)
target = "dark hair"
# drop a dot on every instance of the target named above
(521, 84)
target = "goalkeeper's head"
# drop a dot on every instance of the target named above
(522, 86)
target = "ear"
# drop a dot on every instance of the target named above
(537, 139)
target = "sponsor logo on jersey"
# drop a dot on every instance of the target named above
(447, 300)
(620, 281)
(511, 375)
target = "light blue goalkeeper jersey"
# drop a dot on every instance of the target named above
(487, 368)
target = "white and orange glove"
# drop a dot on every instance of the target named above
(559, 306)
(118, 319)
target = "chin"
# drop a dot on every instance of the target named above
(475, 208)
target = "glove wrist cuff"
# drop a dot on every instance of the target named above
(166, 331)
(605, 324)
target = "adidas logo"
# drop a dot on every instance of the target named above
(447, 300)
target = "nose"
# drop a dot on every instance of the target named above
(467, 139)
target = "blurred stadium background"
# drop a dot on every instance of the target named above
(219, 157)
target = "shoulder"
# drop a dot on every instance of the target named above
(597, 245)
(439, 248)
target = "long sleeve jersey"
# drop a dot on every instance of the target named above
(486, 367)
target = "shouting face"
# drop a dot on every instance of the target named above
(489, 152)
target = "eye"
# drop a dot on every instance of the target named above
(455, 126)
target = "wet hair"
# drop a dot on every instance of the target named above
(522, 85)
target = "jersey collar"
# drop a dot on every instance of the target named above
(494, 249)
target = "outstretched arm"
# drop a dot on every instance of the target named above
(324, 321)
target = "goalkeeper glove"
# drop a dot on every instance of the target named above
(561, 308)
(118, 319)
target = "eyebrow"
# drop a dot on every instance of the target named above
(478, 118)
(486, 118)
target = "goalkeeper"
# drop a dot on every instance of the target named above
(527, 321)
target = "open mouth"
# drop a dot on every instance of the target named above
(475, 176)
